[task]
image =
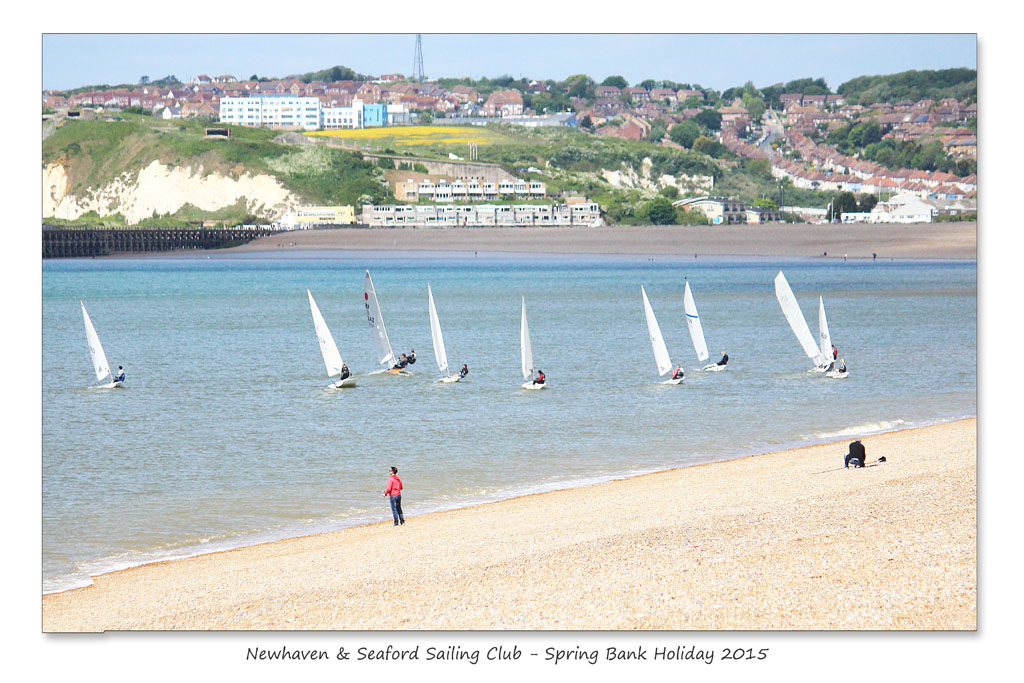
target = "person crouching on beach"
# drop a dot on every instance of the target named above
(857, 456)
(394, 490)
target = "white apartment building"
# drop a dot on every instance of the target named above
(343, 117)
(468, 189)
(272, 111)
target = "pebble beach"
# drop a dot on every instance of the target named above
(862, 240)
(787, 541)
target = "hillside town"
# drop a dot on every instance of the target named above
(793, 139)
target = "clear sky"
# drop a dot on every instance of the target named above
(716, 61)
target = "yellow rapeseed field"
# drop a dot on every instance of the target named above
(414, 136)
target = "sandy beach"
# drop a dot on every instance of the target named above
(920, 240)
(785, 540)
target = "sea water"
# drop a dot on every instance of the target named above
(227, 433)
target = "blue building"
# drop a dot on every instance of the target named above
(375, 114)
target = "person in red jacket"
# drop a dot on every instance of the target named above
(394, 490)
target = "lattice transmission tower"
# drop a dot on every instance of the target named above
(417, 61)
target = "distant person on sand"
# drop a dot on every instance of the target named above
(725, 359)
(394, 490)
(464, 371)
(540, 377)
(120, 374)
(856, 456)
(678, 374)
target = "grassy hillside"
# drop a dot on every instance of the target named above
(95, 152)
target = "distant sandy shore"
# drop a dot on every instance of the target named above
(786, 540)
(922, 240)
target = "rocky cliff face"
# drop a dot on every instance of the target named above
(160, 189)
(628, 178)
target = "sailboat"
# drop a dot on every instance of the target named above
(99, 359)
(791, 310)
(526, 352)
(697, 332)
(825, 342)
(435, 333)
(657, 341)
(332, 357)
(381, 345)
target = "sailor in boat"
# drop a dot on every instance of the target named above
(725, 359)
(344, 372)
(401, 362)
(464, 371)
(678, 374)
(842, 366)
(835, 352)
(411, 357)
(540, 377)
(119, 377)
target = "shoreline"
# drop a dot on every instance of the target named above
(793, 445)
(856, 241)
(103, 601)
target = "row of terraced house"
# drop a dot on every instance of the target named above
(831, 170)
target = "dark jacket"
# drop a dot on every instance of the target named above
(857, 454)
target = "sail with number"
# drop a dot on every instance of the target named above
(657, 341)
(796, 319)
(99, 359)
(435, 334)
(332, 357)
(693, 323)
(524, 345)
(824, 339)
(385, 356)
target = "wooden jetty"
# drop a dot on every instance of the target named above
(79, 241)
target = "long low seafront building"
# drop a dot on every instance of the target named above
(481, 215)
(306, 216)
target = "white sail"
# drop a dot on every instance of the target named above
(693, 322)
(435, 334)
(657, 341)
(824, 340)
(332, 357)
(99, 359)
(381, 345)
(796, 318)
(524, 345)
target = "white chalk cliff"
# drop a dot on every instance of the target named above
(159, 189)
